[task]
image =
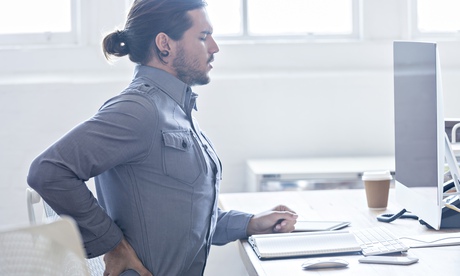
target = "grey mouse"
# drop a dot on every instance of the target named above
(324, 263)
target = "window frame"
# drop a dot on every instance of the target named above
(86, 58)
(48, 38)
(415, 33)
(245, 36)
(82, 55)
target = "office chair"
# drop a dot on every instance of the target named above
(454, 143)
(52, 249)
(96, 265)
(454, 133)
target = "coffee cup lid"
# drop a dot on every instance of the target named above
(377, 175)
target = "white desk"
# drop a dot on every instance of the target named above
(327, 170)
(347, 205)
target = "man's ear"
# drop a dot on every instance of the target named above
(163, 41)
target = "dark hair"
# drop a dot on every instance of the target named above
(146, 19)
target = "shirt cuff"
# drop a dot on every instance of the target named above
(105, 243)
(237, 225)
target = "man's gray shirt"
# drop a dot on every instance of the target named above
(157, 178)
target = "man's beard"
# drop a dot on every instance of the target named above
(187, 70)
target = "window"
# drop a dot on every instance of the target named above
(226, 16)
(287, 18)
(38, 22)
(438, 17)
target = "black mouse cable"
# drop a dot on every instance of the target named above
(391, 217)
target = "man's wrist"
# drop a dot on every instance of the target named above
(250, 230)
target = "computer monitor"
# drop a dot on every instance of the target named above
(421, 146)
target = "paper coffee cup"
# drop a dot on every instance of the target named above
(377, 186)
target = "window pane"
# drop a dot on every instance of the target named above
(438, 15)
(296, 17)
(33, 16)
(225, 16)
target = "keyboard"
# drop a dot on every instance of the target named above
(378, 241)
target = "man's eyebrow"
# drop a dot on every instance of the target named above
(207, 32)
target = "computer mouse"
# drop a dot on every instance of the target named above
(324, 263)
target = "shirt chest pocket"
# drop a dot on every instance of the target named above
(182, 157)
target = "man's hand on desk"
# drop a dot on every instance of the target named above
(280, 219)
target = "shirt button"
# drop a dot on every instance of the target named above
(184, 144)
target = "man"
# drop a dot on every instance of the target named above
(157, 174)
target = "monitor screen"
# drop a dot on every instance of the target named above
(419, 130)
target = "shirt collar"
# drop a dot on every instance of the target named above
(169, 84)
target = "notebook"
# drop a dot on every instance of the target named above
(298, 244)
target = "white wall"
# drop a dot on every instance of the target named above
(266, 100)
